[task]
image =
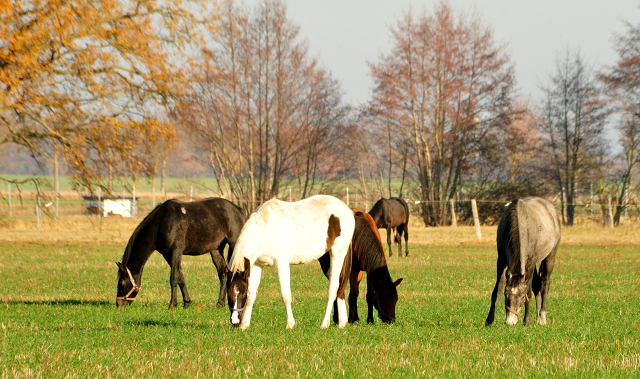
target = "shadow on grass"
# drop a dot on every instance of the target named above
(66, 302)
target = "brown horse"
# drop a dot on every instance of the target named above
(393, 215)
(367, 255)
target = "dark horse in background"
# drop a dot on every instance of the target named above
(367, 255)
(393, 215)
(528, 234)
(175, 228)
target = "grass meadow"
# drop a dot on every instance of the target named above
(58, 316)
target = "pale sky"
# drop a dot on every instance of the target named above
(345, 34)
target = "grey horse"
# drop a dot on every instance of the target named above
(528, 234)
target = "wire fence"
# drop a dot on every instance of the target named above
(27, 205)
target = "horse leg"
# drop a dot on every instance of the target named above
(527, 316)
(398, 239)
(370, 298)
(405, 228)
(332, 291)
(354, 292)
(546, 267)
(501, 267)
(218, 261)
(186, 299)
(254, 282)
(284, 276)
(168, 257)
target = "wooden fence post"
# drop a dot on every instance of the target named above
(476, 220)
(609, 213)
(454, 219)
(35, 209)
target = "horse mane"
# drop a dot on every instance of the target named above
(377, 209)
(157, 211)
(369, 248)
(513, 237)
(257, 219)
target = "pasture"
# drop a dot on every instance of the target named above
(58, 316)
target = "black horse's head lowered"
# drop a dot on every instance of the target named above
(237, 292)
(128, 287)
(175, 228)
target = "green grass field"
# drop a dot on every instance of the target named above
(59, 319)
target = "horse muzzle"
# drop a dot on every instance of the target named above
(512, 318)
(120, 302)
(236, 316)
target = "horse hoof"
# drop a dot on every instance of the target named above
(187, 304)
(219, 305)
(354, 322)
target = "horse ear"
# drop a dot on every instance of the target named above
(120, 266)
(247, 268)
(227, 271)
(397, 282)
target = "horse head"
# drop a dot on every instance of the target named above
(128, 289)
(385, 301)
(516, 293)
(237, 292)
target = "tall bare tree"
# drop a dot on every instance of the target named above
(573, 120)
(261, 110)
(444, 86)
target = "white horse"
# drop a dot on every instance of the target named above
(280, 234)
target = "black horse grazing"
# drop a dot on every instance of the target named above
(393, 214)
(367, 255)
(175, 228)
(528, 234)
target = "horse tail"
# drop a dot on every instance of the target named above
(406, 211)
(345, 273)
(157, 213)
(513, 238)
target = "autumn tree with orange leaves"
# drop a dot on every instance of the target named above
(75, 77)
(444, 86)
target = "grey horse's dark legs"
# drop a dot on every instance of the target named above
(501, 267)
(546, 267)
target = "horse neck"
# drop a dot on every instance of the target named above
(380, 278)
(140, 252)
(143, 241)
